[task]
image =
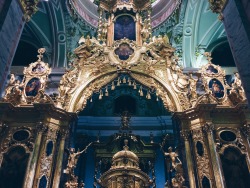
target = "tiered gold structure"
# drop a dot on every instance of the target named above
(125, 171)
(213, 120)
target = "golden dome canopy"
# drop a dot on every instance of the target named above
(125, 158)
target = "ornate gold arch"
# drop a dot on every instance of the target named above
(86, 89)
(152, 65)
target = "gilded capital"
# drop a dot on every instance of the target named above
(245, 129)
(64, 133)
(185, 134)
(208, 128)
(217, 5)
(197, 134)
(41, 128)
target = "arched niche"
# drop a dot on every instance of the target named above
(80, 96)
(235, 168)
(13, 168)
(205, 182)
(43, 182)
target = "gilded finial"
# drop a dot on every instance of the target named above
(41, 51)
(125, 147)
(208, 55)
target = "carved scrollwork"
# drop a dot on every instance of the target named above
(95, 86)
(31, 88)
(202, 158)
(45, 164)
(22, 136)
(231, 138)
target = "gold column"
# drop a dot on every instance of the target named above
(208, 128)
(31, 169)
(185, 135)
(245, 129)
(46, 162)
(59, 160)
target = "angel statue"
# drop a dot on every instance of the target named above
(174, 167)
(73, 158)
(72, 180)
(173, 157)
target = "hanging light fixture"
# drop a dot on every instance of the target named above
(113, 86)
(124, 80)
(118, 82)
(140, 91)
(129, 82)
(148, 96)
(100, 95)
(106, 91)
(134, 85)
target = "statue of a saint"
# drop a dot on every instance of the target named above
(237, 85)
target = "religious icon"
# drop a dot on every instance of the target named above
(211, 70)
(124, 28)
(32, 87)
(38, 68)
(217, 88)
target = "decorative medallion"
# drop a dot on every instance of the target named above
(31, 88)
(124, 51)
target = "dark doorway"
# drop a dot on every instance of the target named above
(235, 169)
(13, 168)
